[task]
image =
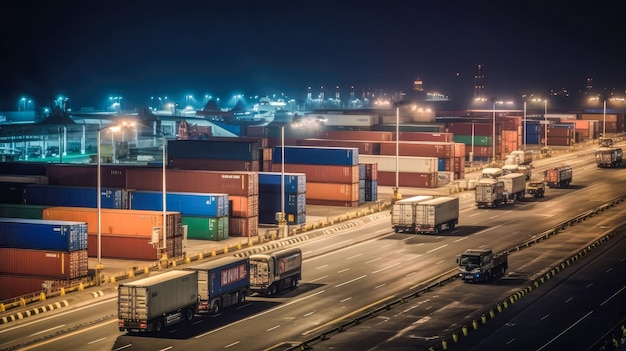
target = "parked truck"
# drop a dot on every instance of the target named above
(275, 272)
(153, 303)
(609, 157)
(433, 216)
(491, 172)
(221, 283)
(525, 156)
(558, 177)
(536, 188)
(403, 213)
(490, 193)
(514, 185)
(482, 265)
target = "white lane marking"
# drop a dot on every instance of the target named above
(350, 281)
(357, 255)
(320, 278)
(437, 248)
(47, 330)
(374, 260)
(544, 317)
(379, 286)
(233, 344)
(463, 238)
(346, 299)
(166, 348)
(310, 313)
(568, 300)
(413, 257)
(385, 268)
(272, 328)
(344, 270)
(320, 267)
(564, 331)
(95, 341)
(612, 296)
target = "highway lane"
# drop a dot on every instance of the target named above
(357, 282)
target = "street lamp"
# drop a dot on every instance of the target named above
(396, 193)
(525, 131)
(281, 219)
(545, 119)
(604, 120)
(493, 140)
(24, 104)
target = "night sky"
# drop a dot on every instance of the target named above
(90, 50)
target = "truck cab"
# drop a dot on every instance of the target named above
(481, 265)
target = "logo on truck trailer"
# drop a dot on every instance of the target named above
(234, 274)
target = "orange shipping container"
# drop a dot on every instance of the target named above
(332, 203)
(332, 191)
(243, 206)
(114, 221)
(425, 136)
(53, 264)
(246, 227)
(322, 173)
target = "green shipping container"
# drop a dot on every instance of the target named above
(22, 211)
(479, 140)
(206, 228)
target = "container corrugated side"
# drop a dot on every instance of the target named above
(224, 276)
(189, 204)
(206, 228)
(214, 164)
(214, 149)
(243, 226)
(406, 164)
(243, 206)
(317, 155)
(56, 195)
(333, 191)
(22, 211)
(56, 235)
(271, 181)
(322, 173)
(54, 264)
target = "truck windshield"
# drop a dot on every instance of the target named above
(469, 261)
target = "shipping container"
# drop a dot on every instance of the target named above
(417, 180)
(23, 178)
(364, 147)
(317, 155)
(111, 176)
(74, 196)
(333, 191)
(36, 234)
(478, 140)
(206, 228)
(237, 149)
(294, 205)
(405, 164)
(425, 136)
(22, 211)
(418, 148)
(113, 221)
(132, 247)
(270, 182)
(14, 286)
(188, 204)
(214, 164)
(322, 173)
(365, 135)
(243, 206)
(371, 190)
(227, 182)
(334, 203)
(53, 264)
(23, 168)
(243, 226)
(12, 193)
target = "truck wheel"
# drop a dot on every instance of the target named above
(158, 326)
(217, 308)
(294, 283)
(189, 314)
(487, 277)
(396, 230)
(242, 297)
(273, 289)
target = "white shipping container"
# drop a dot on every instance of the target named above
(437, 211)
(347, 120)
(406, 164)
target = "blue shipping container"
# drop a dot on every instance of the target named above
(73, 196)
(371, 190)
(188, 204)
(294, 203)
(38, 234)
(292, 218)
(222, 276)
(362, 171)
(270, 182)
(312, 155)
(441, 164)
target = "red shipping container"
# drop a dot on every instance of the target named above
(213, 165)
(425, 136)
(322, 173)
(371, 171)
(86, 175)
(365, 135)
(225, 182)
(560, 132)
(459, 150)
(53, 264)
(261, 140)
(418, 148)
(332, 191)
(129, 247)
(414, 180)
(243, 206)
(332, 203)
(243, 226)
(14, 286)
(465, 128)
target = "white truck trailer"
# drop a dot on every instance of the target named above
(272, 273)
(153, 303)
(514, 185)
(403, 213)
(433, 216)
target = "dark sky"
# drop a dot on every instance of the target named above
(90, 50)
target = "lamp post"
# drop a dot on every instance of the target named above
(493, 140)
(545, 119)
(281, 218)
(396, 193)
(604, 120)
(525, 131)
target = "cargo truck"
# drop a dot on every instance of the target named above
(609, 157)
(522, 169)
(558, 177)
(514, 185)
(433, 216)
(403, 213)
(153, 303)
(536, 188)
(491, 172)
(482, 265)
(490, 193)
(275, 272)
(525, 156)
(221, 283)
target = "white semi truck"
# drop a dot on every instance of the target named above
(403, 213)
(272, 273)
(433, 216)
(514, 185)
(490, 193)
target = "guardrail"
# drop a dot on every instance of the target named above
(452, 275)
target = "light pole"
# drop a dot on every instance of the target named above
(493, 140)
(545, 120)
(604, 120)
(525, 131)
(396, 193)
(24, 104)
(281, 218)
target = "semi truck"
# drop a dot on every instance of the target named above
(275, 272)
(558, 177)
(221, 283)
(525, 156)
(609, 157)
(482, 265)
(536, 188)
(433, 216)
(490, 193)
(514, 185)
(523, 169)
(403, 213)
(491, 173)
(153, 303)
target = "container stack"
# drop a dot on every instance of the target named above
(35, 253)
(418, 172)
(332, 173)
(22, 211)
(215, 154)
(126, 234)
(371, 181)
(205, 215)
(614, 122)
(242, 189)
(270, 196)
(562, 134)
(74, 196)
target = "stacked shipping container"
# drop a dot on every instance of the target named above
(270, 197)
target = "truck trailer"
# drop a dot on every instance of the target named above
(438, 214)
(275, 272)
(482, 265)
(153, 303)
(403, 213)
(514, 185)
(490, 193)
(525, 156)
(609, 157)
(221, 283)
(558, 177)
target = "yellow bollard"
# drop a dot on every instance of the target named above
(484, 318)
(225, 249)
(238, 246)
(444, 344)
(81, 287)
(112, 279)
(187, 260)
(42, 297)
(146, 270)
(131, 273)
(455, 337)
(505, 304)
(475, 324)
(213, 253)
(22, 302)
(200, 256)
(2, 307)
(499, 308)
(62, 292)
(464, 330)
(492, 314)
(173, 263)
